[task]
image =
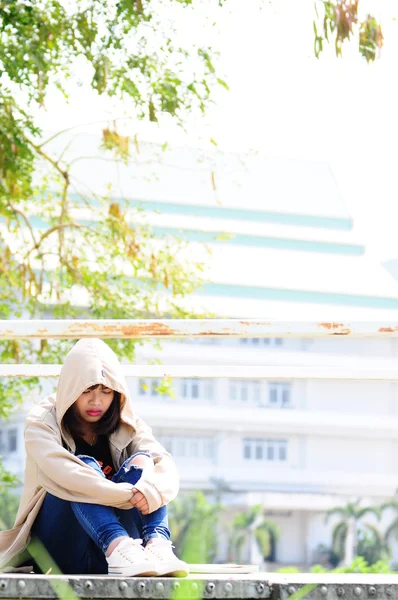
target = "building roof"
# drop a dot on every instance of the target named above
(280, 236)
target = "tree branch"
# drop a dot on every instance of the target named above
(50, 139)
(26, 220)
(48, 158)
(52, 230)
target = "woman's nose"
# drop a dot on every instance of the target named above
(96, 396)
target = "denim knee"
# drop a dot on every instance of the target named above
(129, 473)
(91, 462)
(126, 466)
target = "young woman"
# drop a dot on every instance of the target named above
(96, 480)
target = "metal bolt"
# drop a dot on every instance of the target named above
(21, 584)
(123, 586)
(357, 591)
(340, 591)
(141, 587)
(389, 591)
(372, 590)
(176, 585)
(324, 590)
(3, 584)
(291, 589)
(194, 587)
(210, 587)
(159, 587)
(228, 587)
(260, 587)
(88, 585)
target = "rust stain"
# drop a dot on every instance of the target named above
(259, 324)
(211, 333)
(330, 325)
(153, 329)
(342, 332)
(388, 329)
(128, 331)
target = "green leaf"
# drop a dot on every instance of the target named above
(223, 83)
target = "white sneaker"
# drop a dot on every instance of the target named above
(130, 559)
(160, 552)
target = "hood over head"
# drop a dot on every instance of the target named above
(91, 362)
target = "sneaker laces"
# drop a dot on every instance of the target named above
(131, 549)
(159, 547)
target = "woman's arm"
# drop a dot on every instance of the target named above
(159, 485)
(66, 476)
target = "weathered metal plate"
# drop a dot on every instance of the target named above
(195, 586)
(333, 586)
(218, 587)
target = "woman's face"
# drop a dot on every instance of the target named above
(93, 403)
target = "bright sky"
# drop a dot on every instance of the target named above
(285, 103)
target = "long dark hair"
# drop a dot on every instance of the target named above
(105, 426)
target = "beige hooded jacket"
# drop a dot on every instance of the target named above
(50, 462)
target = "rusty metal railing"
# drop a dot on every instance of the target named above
(169, 328)
(200, 328)
(219, 372)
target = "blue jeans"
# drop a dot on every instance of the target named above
(77, 534)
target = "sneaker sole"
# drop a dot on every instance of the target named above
(137, 572)
(173, 572)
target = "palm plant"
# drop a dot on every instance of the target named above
(248, 528)
(9, 503)
(345, 532)
(193, 525)
(392, 529)
(372, 545)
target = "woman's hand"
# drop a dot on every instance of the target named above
(139, 501)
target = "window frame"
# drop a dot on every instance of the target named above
(195, 448)
(205, 388)
(12, 435)
(265, 450)
(280, 388)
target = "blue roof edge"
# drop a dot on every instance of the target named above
(238, 214)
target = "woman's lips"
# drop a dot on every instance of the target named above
(94, 413)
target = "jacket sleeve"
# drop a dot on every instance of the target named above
(159, 485)
(66, 476)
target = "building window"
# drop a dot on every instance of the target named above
(148, 388)
(246, 391)
(247, 449)
(192, 448)
(12, 440)
(261, 342)
(197, 388)
(205, 341)
(265, 450)
(279, 394)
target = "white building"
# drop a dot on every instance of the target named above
(297, 447)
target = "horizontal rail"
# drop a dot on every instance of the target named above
(166, 328)
(230, 372)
